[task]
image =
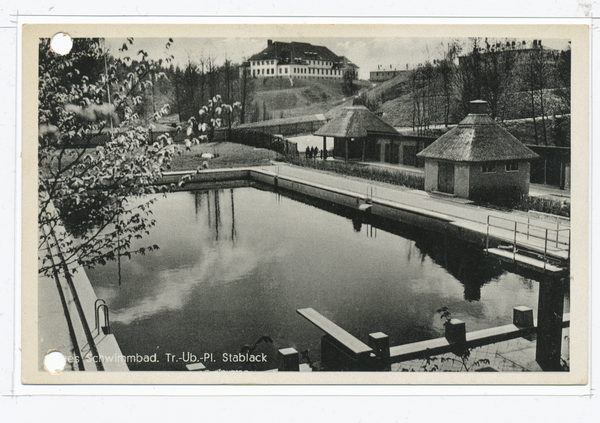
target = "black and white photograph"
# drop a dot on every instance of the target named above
(276, 204)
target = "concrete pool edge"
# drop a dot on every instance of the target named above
(96, 350)
(459, 227)
(84, 297)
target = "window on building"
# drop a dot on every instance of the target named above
(285, 70)
(512, 167)
(488, 168)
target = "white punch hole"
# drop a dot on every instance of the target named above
(61, 43)
(54, 362)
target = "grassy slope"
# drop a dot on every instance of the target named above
(304, 97)
(230, 155)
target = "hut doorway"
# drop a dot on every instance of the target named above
(446, 177)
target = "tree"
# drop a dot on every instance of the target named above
(563, 79)
(536, 75)
(423, 91)
(445, 72)
(348, 79)
(93, 202)
(245, 93)
(486, 73)
(202, 126)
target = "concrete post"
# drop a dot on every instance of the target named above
(456, 331)
(289, 360)
(523, 317)
(550, 318)
(380, 343)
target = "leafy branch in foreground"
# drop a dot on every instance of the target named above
(94, 203)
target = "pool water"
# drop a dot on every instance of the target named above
(234, 265)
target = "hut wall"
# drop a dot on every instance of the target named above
(484, 183)
(354, 148)
(461, 180)
(338, 147)
(372, 149)
(381, 144)
(431, 175)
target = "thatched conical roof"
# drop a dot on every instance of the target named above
(477, 138)
(356, 122)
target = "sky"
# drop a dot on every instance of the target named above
(367, 53)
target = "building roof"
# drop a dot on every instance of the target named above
(356, 122)
(294, 51)
(477, 138)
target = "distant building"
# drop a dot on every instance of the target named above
(477, 158)
(384, 75)
(517, 49)
(297, 60)
(244, 69)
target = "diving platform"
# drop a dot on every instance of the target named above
(524, 260)
(533, 245)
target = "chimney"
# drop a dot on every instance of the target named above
(478, 107)
(269, 42)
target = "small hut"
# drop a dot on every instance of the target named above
(358, 134)
(478, 159)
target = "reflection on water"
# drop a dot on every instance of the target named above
(234, 265)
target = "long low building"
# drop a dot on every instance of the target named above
(385, 75)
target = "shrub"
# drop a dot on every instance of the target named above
(508, 196)
(527, 203)
(390, 176)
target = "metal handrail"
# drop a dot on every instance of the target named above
(557, 240)
(104, 308)
(560, 242)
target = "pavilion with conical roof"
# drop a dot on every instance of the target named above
(476, 158)
(359, 134)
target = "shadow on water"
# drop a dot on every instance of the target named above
(463, 260)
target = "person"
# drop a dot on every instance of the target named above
(307, 154)
(316, 152)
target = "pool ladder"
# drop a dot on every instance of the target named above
(104, 307)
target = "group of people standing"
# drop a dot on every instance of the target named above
(313, 152)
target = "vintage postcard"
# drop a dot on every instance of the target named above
(305, 204)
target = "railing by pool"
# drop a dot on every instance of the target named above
(529, 239)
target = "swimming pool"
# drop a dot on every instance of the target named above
(235, 264)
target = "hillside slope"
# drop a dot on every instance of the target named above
(283, 98)
(517, 105)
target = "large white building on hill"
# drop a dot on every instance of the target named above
(297, 60)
